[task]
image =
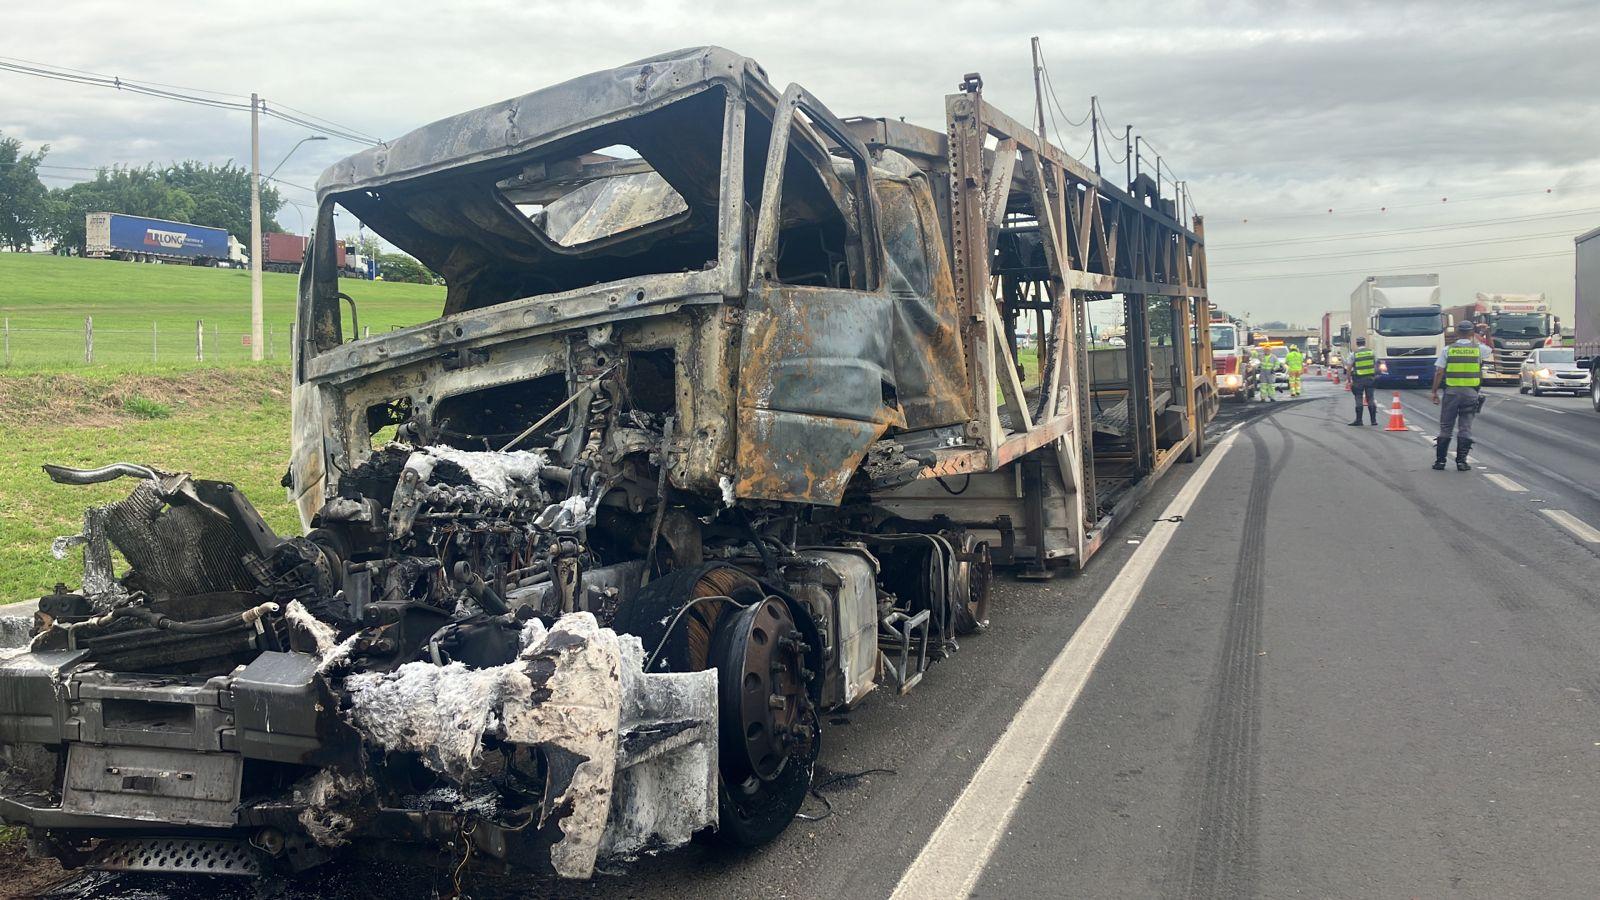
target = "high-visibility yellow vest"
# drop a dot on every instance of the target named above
(1364, 363)
(1463, 366)
(1295, 361)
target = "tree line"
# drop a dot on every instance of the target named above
(197, 193)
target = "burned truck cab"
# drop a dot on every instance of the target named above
(584, 557)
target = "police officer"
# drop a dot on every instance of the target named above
(1460, 368)
(1363, 366)
(1295, 362)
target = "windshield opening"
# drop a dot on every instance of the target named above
(1410, 325)
(1223, 337)
(1556, 356)
(1531, 325)
(639, 196)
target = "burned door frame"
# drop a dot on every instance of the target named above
(800, 439)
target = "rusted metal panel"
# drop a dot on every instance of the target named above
(815, 390)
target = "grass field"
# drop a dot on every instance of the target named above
(145, 315)
(228, 424)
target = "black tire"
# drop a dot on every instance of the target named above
(1522, 388)
(1537, 392)
(1594, 390)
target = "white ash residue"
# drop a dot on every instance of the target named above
(728, 497)
(500, 473)
(321, 633)
(16, 631)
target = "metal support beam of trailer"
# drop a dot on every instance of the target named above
(1010, 188)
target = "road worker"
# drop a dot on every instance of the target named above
(1362, 366)
(1460, 367)
(1269, 375)
(1295, 362)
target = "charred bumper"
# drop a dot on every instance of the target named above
(569, 754)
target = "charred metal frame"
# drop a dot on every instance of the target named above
(1098, 241)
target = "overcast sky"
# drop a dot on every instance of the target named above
(1275, 113)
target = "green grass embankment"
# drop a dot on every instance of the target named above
(144, 315)
(227, 424)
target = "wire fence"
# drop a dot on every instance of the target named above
(54, 343)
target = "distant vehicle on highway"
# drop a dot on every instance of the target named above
(1401, 319)
(1586, 332)
(1517, 324)
(1230, 362)
(284, 253)
(109, 235)
(1553, 369)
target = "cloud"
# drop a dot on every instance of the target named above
(1271, 111)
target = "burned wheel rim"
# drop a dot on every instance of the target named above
(977, 570)
(766, 712)
(720, 606)
(769, 736)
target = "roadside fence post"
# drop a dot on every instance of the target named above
(366, 331)
(199, 340)
(291, 340)
(88, 340)
(271, 339)
(8, 340)
(155, 342)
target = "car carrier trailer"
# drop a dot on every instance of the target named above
(723, 424)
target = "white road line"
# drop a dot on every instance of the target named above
(1579, 528)
(1507, 484)
(1559, 412)
(959, 849)
(1415, 428)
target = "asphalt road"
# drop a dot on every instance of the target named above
(1346, 675)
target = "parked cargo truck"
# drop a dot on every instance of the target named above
(699, 447)
(110, 235)
(1586, 294)
(1518, 325)
(1404, 325)
(285, 253)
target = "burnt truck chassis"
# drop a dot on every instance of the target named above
(586, 558)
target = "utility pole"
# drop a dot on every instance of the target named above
(1094, 127)
(256, 316)
(1127, 153)
(1038, 92)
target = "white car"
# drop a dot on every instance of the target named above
(1552, 369)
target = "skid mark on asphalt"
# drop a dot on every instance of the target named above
(1223, 858)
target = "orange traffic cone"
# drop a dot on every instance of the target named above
(1397, 416)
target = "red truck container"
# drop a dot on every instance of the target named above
(283, 252)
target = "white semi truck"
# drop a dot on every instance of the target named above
(1401, 319)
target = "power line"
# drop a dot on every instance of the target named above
(153, 89)
(1442, 201)
(1355, 235)
(1411, 249)
(177, 87)
(1224, 277)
